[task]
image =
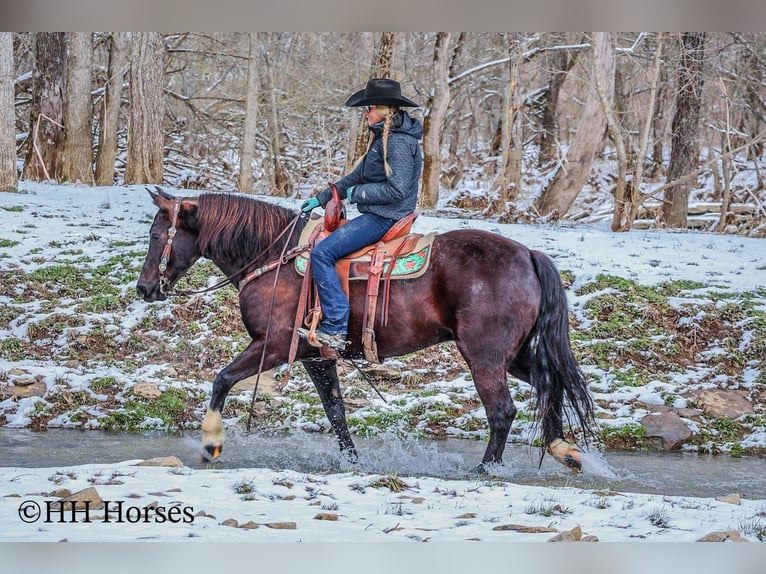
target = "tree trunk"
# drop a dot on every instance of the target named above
(147, 109)
(559, 62)
(433, 123)
(571, 174)
(9, 176)
(508, 182)
(247, 149)
(110, 109)
(78, 116)
(684, 155)
(658, 123)
(281, 184)
(638, 169)
(46, 117)
(381, 68)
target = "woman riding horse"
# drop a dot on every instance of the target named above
(384, 187)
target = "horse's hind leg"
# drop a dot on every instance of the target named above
(492, 386)
(324, 375)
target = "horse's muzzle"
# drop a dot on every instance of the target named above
(150, 294)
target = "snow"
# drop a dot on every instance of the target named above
(356, 506)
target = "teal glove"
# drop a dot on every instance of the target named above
(348, 193)
(310, 205)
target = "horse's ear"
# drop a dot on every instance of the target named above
(189, 209)
(160, 197)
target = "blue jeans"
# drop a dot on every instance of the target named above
(358, 232)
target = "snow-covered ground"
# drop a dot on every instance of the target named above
(47, 224)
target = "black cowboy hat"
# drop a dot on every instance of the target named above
(380, 92)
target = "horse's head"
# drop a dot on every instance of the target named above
(172, 245)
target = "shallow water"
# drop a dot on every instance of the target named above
(682, 474)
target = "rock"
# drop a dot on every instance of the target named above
(667, 429)
(326, 516)
(381, 371)
(249, 525)
(170, 461)
(418, 500)
(230, 522)
(36, 389)
(24, 381)
(466, 515)
(723, 536)
(573, 535)
(266, 384)
(589, 538)
(526, 529)
(89, 494)
(61, 493)
(281, 525)
(147, 390)
(17, 372)
(730, 499)
(724, 403)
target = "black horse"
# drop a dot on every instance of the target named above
(503, 305)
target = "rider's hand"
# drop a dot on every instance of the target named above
(348, 193)
(310, 205)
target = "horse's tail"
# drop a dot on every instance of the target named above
(554, 372)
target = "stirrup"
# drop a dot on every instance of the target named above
(321, 339)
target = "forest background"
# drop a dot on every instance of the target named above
(515, 123)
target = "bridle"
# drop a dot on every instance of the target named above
(165, 258)
(246, 277)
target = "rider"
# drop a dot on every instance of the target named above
(384, 187)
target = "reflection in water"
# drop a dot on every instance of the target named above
(665, 473)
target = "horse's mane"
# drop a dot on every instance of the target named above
(236, 227)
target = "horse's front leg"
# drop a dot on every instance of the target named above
(324, 375)
(245, 365)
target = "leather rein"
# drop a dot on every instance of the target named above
(246, 277)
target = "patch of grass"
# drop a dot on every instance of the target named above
(12, 349)
(104, 385)
(628, 437)
(170, 407)
(659, 517)
(13, 208)
(6, 243)
(391, 482)
(102, 303)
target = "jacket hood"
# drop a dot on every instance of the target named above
(403, 124)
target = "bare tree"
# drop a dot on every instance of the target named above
(9, 176)
(558, 63)
(507, 184)
(145, 133)
(684, 155)
(78, 110)
(109, 123)
(281, 184)
(573, 170)
(381, 68)
(46, 117)
(433, 123)
(249, 128)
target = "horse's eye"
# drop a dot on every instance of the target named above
(155, 236)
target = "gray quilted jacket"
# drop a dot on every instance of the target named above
(395, 195)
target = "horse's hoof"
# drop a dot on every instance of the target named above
(211, 452)
(351, 456)
(481, 469)
(567, 454)
(212, 436)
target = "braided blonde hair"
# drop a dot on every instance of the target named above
(388, 113)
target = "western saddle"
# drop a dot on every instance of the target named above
(398, 255)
